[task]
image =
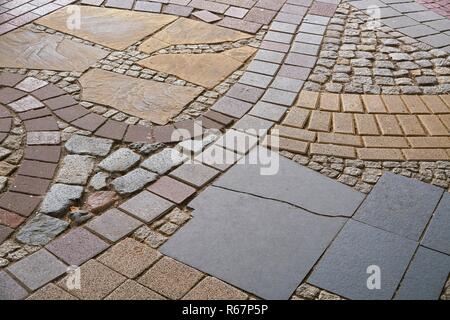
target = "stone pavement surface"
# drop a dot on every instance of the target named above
(217, 149)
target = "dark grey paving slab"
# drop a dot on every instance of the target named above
(437, 234)
(417, 31)
(343, 268)
(290, 182)
(423, 16)
(232, 237)
(436, 40)
(37, 269)
(9, 288)
(425, 277)
(400, 205)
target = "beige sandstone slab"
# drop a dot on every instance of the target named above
(24, 48)
(187, 31)
(147, 99)
(113, 28)
(206, 69)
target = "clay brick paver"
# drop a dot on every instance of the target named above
(352, 103)
(37, 169)
(333, 150)
(435, 104)
(43, 153)
(373, 103)
(433, 125)
(343, 123)
(287, 144)
(297, 117)
(394, 104)
(5, 232)
(213, 289)
(389, 125)
(380, 154)
(97, 281)
(10, 219)
(170, 278)
(172, 189)
(425, 154)
(30, 185)
(77, 246)
(129, 257)
(294, 133)
(385, 142)
(415, 104)
(410, 125)
(338, 138)
(429, 142)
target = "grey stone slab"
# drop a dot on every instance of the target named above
(232, 237)
(40, 230)
(120, 160)
(408, 7)
(440, 25)
(60, 198)
(195, 174)
(164, 161)
(10, 289)
(269, 56)
(146, 206)
(37, 269)
(312, 28)
(345, 267)
(303, 60)
(364, 4)
(436, 40)
(305, 48)
(133, 181)
(315, 19)
(287, 84)
(399, 22)
(267, 174)
(278, 37)
(253, 125)
(232, 107)
(243, 92)
(281, 97)
(388, 12)
(283, 27)
(400, 205)
(75, 169)
(437, 234)
(309, 38)
(88, 145)
(263, 67)
(268, 111)
(113, 225)
(425, 277)
(256, 79)
(424, 16)
(237, 142)
(417, 31)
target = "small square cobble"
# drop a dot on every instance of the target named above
(146, 206)
(195, 174)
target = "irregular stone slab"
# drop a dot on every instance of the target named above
(39, 50)
(75, 169)
(187, 31)
(437, 235)
(37, 269)
(400, 205)
(133, 181)
(99, 181)
(205, 69)
(101, 200)
(60, 198)
(267, 174)
(147, 99)
(343, 268)
(426, 276)
(88, 145)
(119, 160)
(40, 230)
(232, 238)
(116, 29)
(164, 161)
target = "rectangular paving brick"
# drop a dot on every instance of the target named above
(305, 48)
(178, 10)
(5, 232)
(60, 102)
(425, 154)
(19, 203)
(287, 84)
(415, 104)
(72, 113)
(297, 117)
(343, 268)
(294, 72)
(218, 157)
(323, 9)
(43, 153)
(148, 6)
(308, 99)
(275, 46)
(171, 189)
(433, 125)
(268, 111)
(255, 79)
(289, 18)
(241, 25)
(280, 97)
(29, 185)
(37, 269)
(263, 67)
(329, 102)
(245, 93)
(435, 104)
(394, 104)
(10, 79)
(260, 15)
(146, 206)
(366, 124)
(37, 169)
(385, 142)
(236, 253)
(8, 95)
(425, 277)
(352, 103)
(282, 143)
(320, 121)
(41, 124)
(11, 290)
(137, 133)
(373, 103)
(294, 133)
(301, 60)
(400, 205)
(429, 142)
(278, 37)
(269, 56)
(47, 92)
(389, 124)
(232, 107)
(436, 235)
(89, 122)
(340, 139)
(411, 125)
(112, 130)
(333, 150)
(283, 27)
(209, 5)
(121, 4)
(113, 225)
(343, 123)
(77, 246)
(10, 219)
(195, 174)
(380, 154)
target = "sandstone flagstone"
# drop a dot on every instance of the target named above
(187, 31)
(206, 69)
(24, 48)
(116, 29)
(151, 100)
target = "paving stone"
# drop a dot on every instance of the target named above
(11, 290)
(253, 126)
(207, 16)
(21, 49)
(425, 277)
(170, 278)
(30, 84)
(37, 169)
(88, 145)
(5, 232)
(75, 169)
(25, 104)
(218, 158)
(283, 27)
(10, 219)
(236, 12)
(133, 181)
(232, 107)
(29, 185)
(209, 5)
(113, 225)
(178, 10)
(77, 246)
(237, 142)
(400, 205)
(10, 79)
(59, 198)
(417, 31)
(43, 138)
(19, 203)
(195, 174)
(119, 161)
(287, 84)
(344, 267)
(436, 40)
(255, 79)
(51, 292)
(99, 181)
(172, 189)
(37, 269)
(8, 95)
(436, 235)
(268, 111)
(131, 290)
(286, 185)
(89, 122)
(97, 281)
(238, 250)
(279, 97)
(213, 289)
(129, 257)
(99, 201)
(164, 161)
(245, 93)
(146, 206)
(294, 72)
(148, 6)
(40, 230)
(42, 124)
(399, 22)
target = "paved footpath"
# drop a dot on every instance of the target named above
(226, 149)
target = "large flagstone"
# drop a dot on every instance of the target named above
(187, 31)
(24, 48)
(113, 28)
(147, 99)
(206, 69)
